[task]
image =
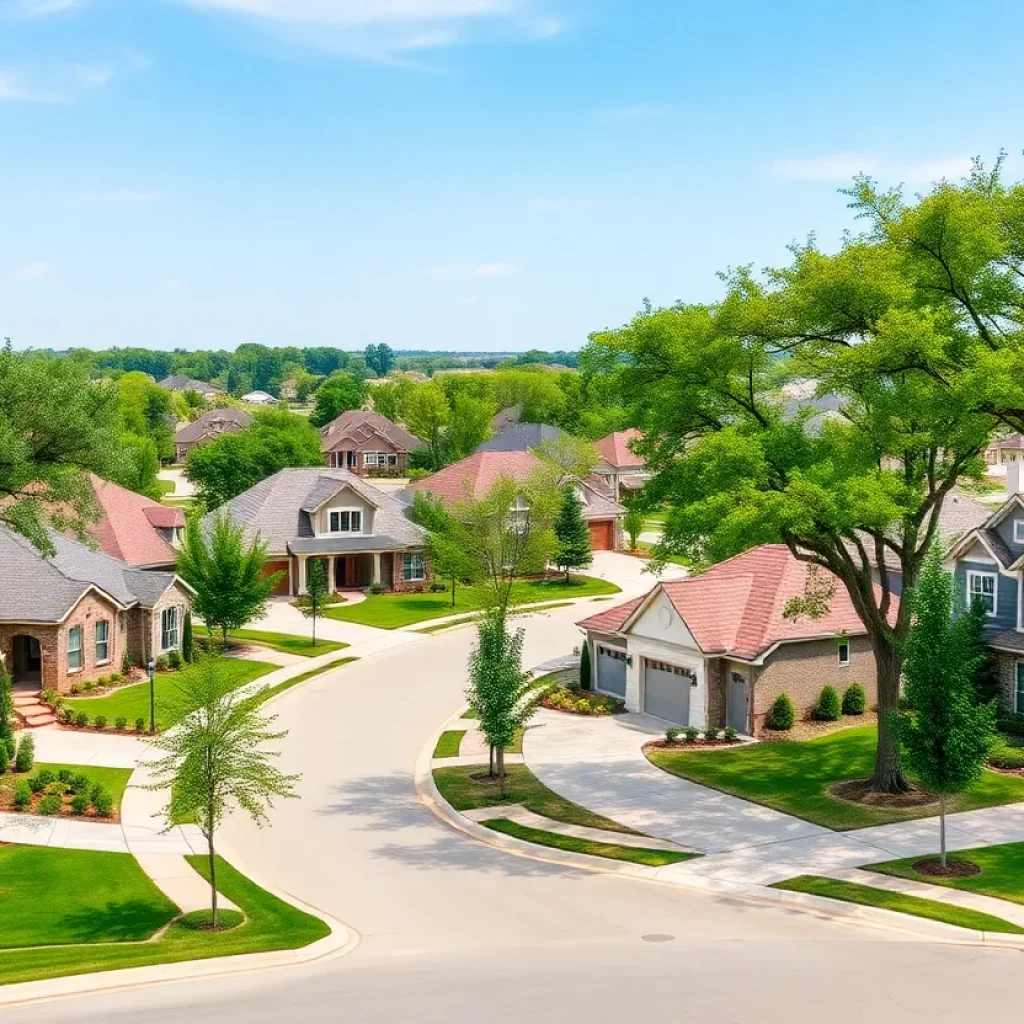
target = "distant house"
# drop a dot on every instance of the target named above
(209, 426)
(1005, 449)
(520, 437)
(259, 398)
(73, 617)
(620, 465)
(717, 649)
(473, 477)
(362, 535)
(367, 444)
(179, 382)
(134, 528)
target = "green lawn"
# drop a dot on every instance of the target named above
(392, 611)
(273, 691)
(610, 851)
(1002, 871)
(133, 701)
(269, 924)
(793, 777)
(286, 642)
(466, 793)
(868, 896)
(50, 896)
(165, 487)
(448, 743)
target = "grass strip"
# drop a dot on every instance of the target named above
(469, 713)
(286, 643)
(593, 848)
(448, 743)
(461, 787)
(902, 903)
(273, 691)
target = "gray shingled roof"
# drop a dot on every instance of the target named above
(520, 437)
(359, 425)
(216, 420)
(38, 589)
(180, 382)
(276, 510)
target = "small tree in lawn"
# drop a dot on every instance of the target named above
(227, 573)
(573, 547)
(316, 593)
(448, 546)
(633, 524)
(499, 691)
(188, 644)
(948, 734)
(216, 759)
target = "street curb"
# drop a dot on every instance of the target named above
(872, 917)
(341, 941)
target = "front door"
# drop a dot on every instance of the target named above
(667, 691)
(738, 704)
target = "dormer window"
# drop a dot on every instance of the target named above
(345, 521)
(1018, 531)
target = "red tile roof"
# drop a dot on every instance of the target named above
(614, 448)
(127, 529)
(473, 476)
(736, 608)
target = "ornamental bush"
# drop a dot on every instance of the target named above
(102, 801)
(711, 733)
(81, 720)
(672, 734)
(65, 775)
(50, 805)
(1011, 758)
(781, 716)
(79, 783)
(829, 707)
(854, 700)
(140, 725)
(80, 803)
(691, 734)
(5, 756)
(174, 659)
(120, 723)
(22, 794)
(45, 776)
(101, 721)
(36, 784)
(729, 734)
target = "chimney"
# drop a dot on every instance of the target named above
(1013, 475)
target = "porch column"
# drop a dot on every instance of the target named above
(330, 574)
(376, 567)
(302, 574)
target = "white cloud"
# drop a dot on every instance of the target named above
(498, 268)
(38, 8)
(34, 271)
(147, 195)
(841, 167)
(13, 90)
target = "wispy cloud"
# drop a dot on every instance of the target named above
(68, 82)
(841, 167)
(34, 271)
(14, 90)
(37, 8)
(497, 268)
(124, 195)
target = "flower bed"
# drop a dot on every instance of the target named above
(65, 791)
(582, 702)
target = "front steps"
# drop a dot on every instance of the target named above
(30, 712)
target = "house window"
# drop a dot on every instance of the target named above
(1018, 693)
(844, 653)
(74, 648)
(519, 517)
(1018, 531)
(349, 521)
(413, 566)
(169, 629)
(981, 586)
(102, 641)
(379, 459)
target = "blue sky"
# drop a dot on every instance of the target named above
(454, 174)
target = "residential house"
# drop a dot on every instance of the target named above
(473, 477)
(620, 465)
(362, 535)
(180, 382)
(520, 437)
(74, 616)
(716, 649)
(367, 444)
(259, 398)
(208, 427)
(1004, 450)
(134, 528)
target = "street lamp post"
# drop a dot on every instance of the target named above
(152, 695)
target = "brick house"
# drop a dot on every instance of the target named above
(208, 427)
(620, 466)
(73, 616)
(715, 649)
(362, 535)
(367, 444)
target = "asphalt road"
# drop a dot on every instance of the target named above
(452, 929)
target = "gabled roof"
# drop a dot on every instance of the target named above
(180, 382)
(260, 397)
(215, 421)
(520, 437)
(735, 609)
(358, 425)
(325, 488)
(130, 524)
(988, 536)
(614, 449)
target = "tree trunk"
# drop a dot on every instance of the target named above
(313, 620)
(490, 767)
(888, 776)
(501, 770)
(942, 830)
(213, 872)
(453, 591)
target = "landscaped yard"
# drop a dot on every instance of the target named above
(392, 611)
(108, 904)
(467, 787)
(132, 702)
(285, 642)
(113, 780)
(794, 777)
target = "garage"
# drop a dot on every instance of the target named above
(283, 585)
(602, 534)
(611, 670)
(667, 691)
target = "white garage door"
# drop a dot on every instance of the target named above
(667, 691)
(611, 670)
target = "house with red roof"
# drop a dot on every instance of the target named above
(133, 528)
(620, 466)
(717, 649)
(367, 444)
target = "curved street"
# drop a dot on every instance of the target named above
(453, 929)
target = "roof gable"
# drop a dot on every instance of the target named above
(364, 423)
(615, 450)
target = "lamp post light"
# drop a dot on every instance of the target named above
(152, 695)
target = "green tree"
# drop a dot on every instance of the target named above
(6, 708)
(316, 593)
(389, 399)
(469, 425)
(188, 649)
(138, 465)
(427, 415)
(217, 759)
(573, 536)
(948, 734)
(336, 395)
(228, 574)
(147, 410)
(379, 358)
(571, 456)
(986, 673)
(633, 524)
(449, 548)
(585, 669)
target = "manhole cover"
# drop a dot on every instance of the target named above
(657, 937)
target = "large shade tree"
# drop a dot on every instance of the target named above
(832, 404)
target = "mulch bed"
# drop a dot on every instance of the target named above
(701, 744)
(954, 868)
(7, 804)
(859, 791)
(811, 729)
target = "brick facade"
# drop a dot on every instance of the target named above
(1008, 680)
(339, 457)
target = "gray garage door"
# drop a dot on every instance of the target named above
(667, 691)
(611, 670)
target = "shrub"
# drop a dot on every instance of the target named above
(5, 755)
(45, 776)
(692, 734)
(781, 715)
(116, 677)
(120, 723)
(1007, 757)
(67, 714)
(1011, 723)
(65, 775)
(127, 664)
(22, 794)
(174, 659)
(49, 696)
(36, 784)
(81, 720)
(585, 670)
(140, 725)
(102, 681)
(437, 587)
(101, 721)
(162, 664)
(829, 707)
(729, 734)
(188, 647)
(710, 733)
(672, 734)
(80, 803)
(102, 801)
(76, 689)
(376, 588)
(854, 700)
(88, 686)
(51, 804)
(79, 783)
(57, 788)
(26, 756)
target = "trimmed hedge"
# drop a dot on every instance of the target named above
(829, 708)
(855, 700)
(781, 715)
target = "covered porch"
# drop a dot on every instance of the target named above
(348, 571)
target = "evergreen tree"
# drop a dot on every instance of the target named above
(585, 671)
(573, 548)
(949, 733)
(986, 675)
(188, 649)
(6, 707)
